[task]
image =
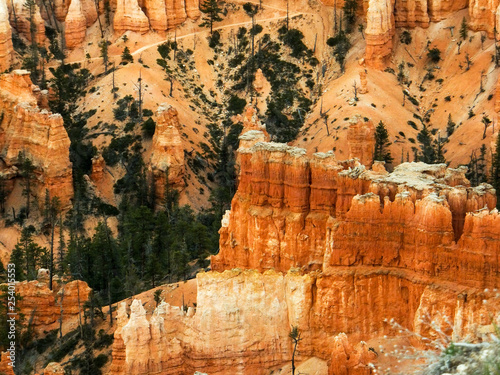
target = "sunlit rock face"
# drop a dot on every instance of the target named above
(37, 133)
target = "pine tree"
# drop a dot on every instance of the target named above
(126, 57)
(27, 172)
(382, 144)
(464, 29)
(350, 7)
(213, 14)
(103, 46)
(28, 256)
(450, 126)
(427, 152)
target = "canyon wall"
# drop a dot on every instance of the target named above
(37, 133)
(76, 25)
(344, 253)
(43, 306)
(167, 153)
(6, 48)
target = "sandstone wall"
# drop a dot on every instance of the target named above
(6, 48)
(75, 26)
(38, 133)
(167, 152)
(44, 306)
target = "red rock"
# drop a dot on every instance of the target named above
(38, 133)
(483, 15)
(167, 152)
(129, 17)
(4, 364)
(6, 48)
(76, 25)
(379, 32)
(361, 140)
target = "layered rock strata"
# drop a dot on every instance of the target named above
(20, 20)
(129, 17)
(167, 152)
(38, 134)
(76, 25)
(291, 210)
(6, 48)
(379, 32)
(411, 13)
(483, 15)
(43, 306)
(361, 139)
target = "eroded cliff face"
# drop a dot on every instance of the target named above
(335, 249)
(380, 28)
(43, 306)
(167, 152)
(37, 133)
(76, 25)
(6, 48)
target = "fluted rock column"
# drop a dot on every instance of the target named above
(129, 17)
(379, 32)
(76, 25)
(6, 48)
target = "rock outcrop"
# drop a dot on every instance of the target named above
(129, 17)
(4, 364)
(6, 48)
(483, 15)
(20, 21)
(411, 13)
(379, 32)
(167, 152)
(76, 25)
(193, 9)
(157, 14)
(176, 12)
(440, 9)
(43, 306)
(361, 140)
(294, 211)
(39, 134)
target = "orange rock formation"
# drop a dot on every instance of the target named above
(167, 152)
(483, 15)
(379, 32)
(22, 24)
(6, 48)
(361, 140)
(38, 133)
(44, 306)
(411, 13)
(129, 17)
(76, 25)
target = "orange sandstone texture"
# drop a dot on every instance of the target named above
(411, 13)
(129, 17)
(4, 367)
(361, 139)
(22, 24)
(44, 306)
(483, 15)
(167, 152)
(76, 25)
(379, 32)
(6, 48)
(38, 133)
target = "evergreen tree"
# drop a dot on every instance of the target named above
(212, 13)
(464, 29)
(32, 62)
(3, 194)
(341, 46)
(427, 152)
(28, 256)
(164, 51)
(382, 144)
(27, 172)
(126, 57)
(495, 169)
(350, 7)
(450, 126)
(103, 46)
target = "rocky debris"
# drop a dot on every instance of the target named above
(129, 17)
(39, 134)
(6, 48)
(76, 25)
(167, 152)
